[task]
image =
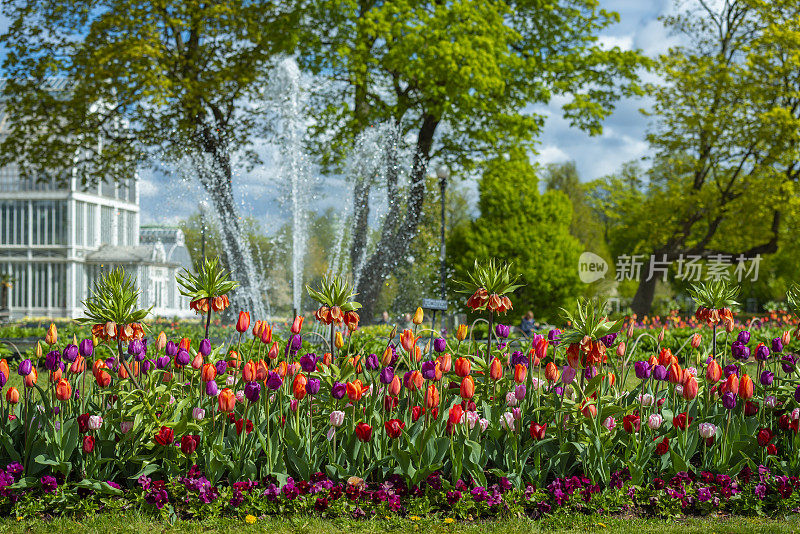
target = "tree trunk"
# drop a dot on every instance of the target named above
(397, 231)
(360, 224)
(643, 299)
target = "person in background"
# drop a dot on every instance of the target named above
(527, 324)
(384, 318)
(407, 322)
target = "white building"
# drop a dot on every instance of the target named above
(56, 239)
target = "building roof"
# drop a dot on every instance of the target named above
(153, 254)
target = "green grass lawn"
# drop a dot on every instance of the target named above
(314, 525)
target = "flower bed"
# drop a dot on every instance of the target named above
(585, 418)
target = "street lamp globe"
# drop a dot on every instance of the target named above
(442, 172)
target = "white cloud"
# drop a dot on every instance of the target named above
(624, 42)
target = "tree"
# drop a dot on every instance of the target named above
(726, 133)
(147, 81)
(457, 79)
(519, 224)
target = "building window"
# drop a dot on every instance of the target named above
(13, 222)
(106, 225)
(131, 228)
(80, 223)
(91, 227)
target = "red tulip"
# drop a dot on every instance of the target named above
(681, 421)
(663, 447)
(88, 444)
(690, 388)
(394, 428)
(363, 432)
(456, 413)
(713, 372)
(537, 430)
(297, 325)
(416, 411)
(764, 436)
(631, 423)
(551, 372)
(190, 443)
(165, 436)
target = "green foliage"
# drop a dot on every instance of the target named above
(715, 295)
(793, 299)
(210, 281)
(493, 275)
(114, 298)
(335, 291)
(589, 319)
(518, 222)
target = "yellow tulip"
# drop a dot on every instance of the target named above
(418, 317)
(339, 340)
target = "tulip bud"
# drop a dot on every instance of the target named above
(696, 339)
(418, 317)
(297, 325)
(621, 349)
(51, 338)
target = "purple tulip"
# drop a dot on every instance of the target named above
(429, 370)
(660, 372)
(642, 369)
(520, 391)
(25, 367)
(221, 366)
(162, 362)
(274, 381)
(553, 336)
(171, 349)
(731, 369)
(52, 360)
(135, 347)
(762, 352)
(439, 344)
(608, 339)
(211, 388)
(372, 362)
(252, 390)
(70, 353)
(205, 347)
(745, 353)
(183, 357)
(387, 374)
(308, 362)
(501, 331)
(767, 377)
(146, 365)
(737, 347)
(797, 394)
(517, 357)
(729, 401)
(743, 337)
(3, 379)
(312, 386)
(568, 375)
(111, 363)
(338, 390)
(558, 390)
(777, 346)
(787, 363)
(86, 348)
(590, 372)
(297, 342)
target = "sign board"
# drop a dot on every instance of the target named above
(434, 304)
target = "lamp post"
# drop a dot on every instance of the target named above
(443, 173)
(203, 205)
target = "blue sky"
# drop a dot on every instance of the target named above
(260, 192)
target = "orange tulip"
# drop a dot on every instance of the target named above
(520, 372)
(590, 410)
(394, 386)
(461, 332)
(98, 366)
(467, 389)
(415, 381)
(690, 388)
(354, 390)
(746, 387)
(297, 325)
(495, 369)
(197, 362)
(258, 326)
(653, 360)
(4, 368)
(407, 340)
(417, 354)
(249, 371)
(675, 374)
(665, 357)
(12, 395)
(445, 362)
(78, 366)
(102, 378)
(611, 378)
(63, 390)
(463, 367)
(243, 323)
(327, 359)
(185, 343)
(209, 372)
(55, 376)
(431, 397)
(273, 351)
(261, 370)
(161, 341)
(713, 372)
(551, 372)
(266, 334)
(32, 378)
(386, 359)
(227, 400)
(51, 338)
(299, 386)
(282, 369)
(731, 385)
